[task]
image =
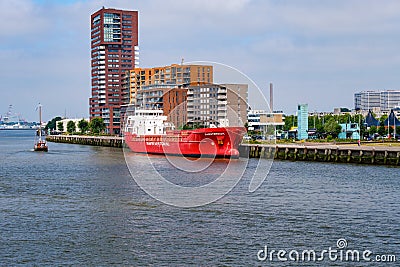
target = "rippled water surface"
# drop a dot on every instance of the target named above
(78, 205)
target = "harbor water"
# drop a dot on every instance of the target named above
(78, 205)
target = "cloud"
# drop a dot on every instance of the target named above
(319, 52)
(21, 18)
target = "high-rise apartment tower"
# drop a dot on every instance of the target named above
(114, 51)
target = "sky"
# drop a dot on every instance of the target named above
(318, 52)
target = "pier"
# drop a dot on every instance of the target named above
(375, 155)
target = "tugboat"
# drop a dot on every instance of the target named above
(40, 141)
(148, 132)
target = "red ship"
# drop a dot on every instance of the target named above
(147, 132)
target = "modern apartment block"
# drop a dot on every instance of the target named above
(168, 76)
(377, 100)
(222, 105)
(114, 51)
(237, 97)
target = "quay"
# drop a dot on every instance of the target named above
(108, 141)
(375, 155)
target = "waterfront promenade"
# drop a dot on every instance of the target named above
(368, 153)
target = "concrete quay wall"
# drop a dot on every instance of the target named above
(108, 141)
(325, 153)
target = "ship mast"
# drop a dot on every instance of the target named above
(40, 121)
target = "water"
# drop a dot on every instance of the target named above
(78, 205)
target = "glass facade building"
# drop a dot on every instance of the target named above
(302, 121)
(383, 100)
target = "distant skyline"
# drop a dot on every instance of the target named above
(315, 52)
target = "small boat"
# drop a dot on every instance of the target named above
(40, 141)
(148, 132)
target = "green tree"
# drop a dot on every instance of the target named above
(71, 127)
(381, 129)
(51, 125)
(83, 125)
(383, 118)
(332, 127)
(97, 125)
(290, 121)
(373, 129)
(60, 126)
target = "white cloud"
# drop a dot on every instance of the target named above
(21, 17)
(309, 49)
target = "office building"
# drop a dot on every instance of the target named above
(264, 122)
(390, 99)
(377, 100)
(114, 51)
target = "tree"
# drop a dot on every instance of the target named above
(290, 121)
(60, 126)
(332, 127)
(97, 125)
(52, 124)
(373, 129)
(383, 117)
(71, 127)
(83, 125)
(381, 129)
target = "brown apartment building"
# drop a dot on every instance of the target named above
(114, 51)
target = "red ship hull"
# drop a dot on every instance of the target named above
(205, 142)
